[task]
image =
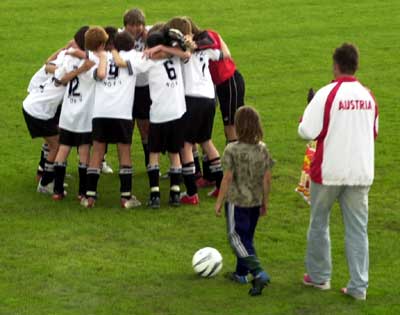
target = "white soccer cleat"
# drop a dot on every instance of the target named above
(48, 189)
(130, 203)
(106, 169)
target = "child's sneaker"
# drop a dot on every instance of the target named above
(357, 296)
(88, 202)
(48, 189)
(258, 283)
(154, 202)
(322, 286)
(130, 203)
(233, 276)
(190, 200)
(105, 168)
(202, 182)
(175, 200)
(213, 193)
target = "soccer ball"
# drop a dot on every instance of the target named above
(207, 262)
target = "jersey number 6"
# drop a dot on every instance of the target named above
(170, 69)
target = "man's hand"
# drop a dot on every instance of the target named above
(310, 95)
(264, 210)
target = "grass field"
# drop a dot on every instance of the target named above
(57, 258)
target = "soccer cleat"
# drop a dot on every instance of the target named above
(175, 200)
(233, 276)
(58, 197)
(322, 286)
(88, 202)
(130, 203)
(154, 202)
(80, 197)
(202, 183)
(106, 169)
(190, 200)
(213, 193)
(260, 281)
(357, 296)
(48, 189)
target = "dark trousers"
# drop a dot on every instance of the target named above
(241, 225)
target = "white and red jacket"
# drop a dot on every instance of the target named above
(343, 118)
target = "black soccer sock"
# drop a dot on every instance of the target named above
(188, 178)
(82, 170)
(216, 171)
(196, 158)
(92, 178)
(175, 179)
(44, 152)
(59, 176)
(153, 171)
(146, 153)
(206, 168)
(48, 175)
(125, 178)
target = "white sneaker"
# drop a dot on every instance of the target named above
(357, 296)
(48, 189)
(130, 203)
(322, 286)
(106, 169)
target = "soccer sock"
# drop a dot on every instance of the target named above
(59, 176)
(44, 152)
(253, 264)
(92, 178)
(175, 179)
(125, 178)
(189, 179)
(82, 170)
(216, 171)
(196, 158)
(153, 171)
(206, 168)
(48, 175)
(146, 153)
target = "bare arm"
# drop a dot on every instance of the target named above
(102, 68)
(225, 183)
(225, 49)
(168, 50)
(50, 68)
(76, 52)
(83, 68)
(266, 189)
(118, 60)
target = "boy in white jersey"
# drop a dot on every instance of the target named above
(39, 109)
(112, 117)
(166, 111)
(199, 118)
(135, 24)
(76, 119)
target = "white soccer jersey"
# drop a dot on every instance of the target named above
(77, 107)
(42, 76)
(114, 95)
(166, 88)
(42, 103)
(196, 74)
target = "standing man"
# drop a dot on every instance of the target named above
(343, 119)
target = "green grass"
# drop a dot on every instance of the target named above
(57, 258)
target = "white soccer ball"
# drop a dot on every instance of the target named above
(207, 262)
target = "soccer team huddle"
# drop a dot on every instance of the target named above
(164, 77)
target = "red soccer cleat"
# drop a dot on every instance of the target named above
(190, 200)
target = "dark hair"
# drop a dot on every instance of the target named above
(111, 32)
(134, 17)
(346, 57)
(157, 27)
(95, 36)
(154, 39)
(79, 37)
(124, 41)
(248, 125)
